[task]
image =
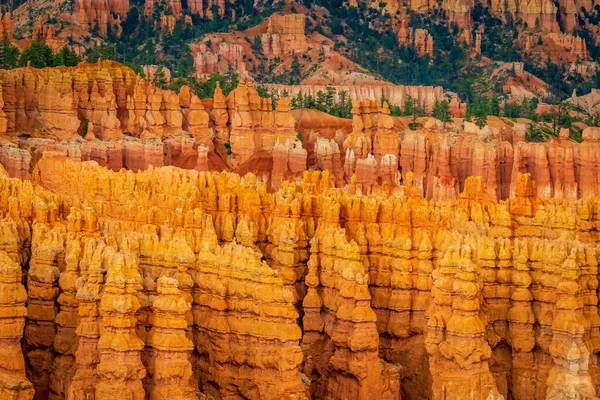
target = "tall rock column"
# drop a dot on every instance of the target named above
(42, 291)
(13, 383)
(456, 342)
(169, 365)
(521, 320)
(65, 341)
(88, 330)
(221, 118)
(242, 308)
(569, 378)
(120, 370)
(3, 120)
(341, 344)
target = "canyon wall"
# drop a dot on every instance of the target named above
(468, 297)
(129, 123)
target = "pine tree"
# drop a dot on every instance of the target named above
(295, 74)
(9, 54)
(66, 57)
(38, 54)
(441, 111)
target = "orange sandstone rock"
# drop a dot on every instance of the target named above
(13, 383)
(120, 370)
(221, 326)
(170, 367)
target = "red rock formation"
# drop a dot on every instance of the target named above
(268, 373)
(15, 161)
(66, 341)
(196, 120)
(420, 39)
(93, 268)
(559, 48)
(120, 370)
(107, 94)
(570, 354)
(285, 35)
(100, 13)
(234, 54)
(289, 161)
(42, 292)
(502, 275)
(6, 26)
(170, 367)
(328, 158)
(206, 63)
(13, 383)
(455, 339)
(338, 299)
(47, 34)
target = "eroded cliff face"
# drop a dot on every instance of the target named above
(129, 123)
(203, 282)
(100, 14)
(53, 103)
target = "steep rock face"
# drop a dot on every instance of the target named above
(560, 168)
(6, 26)
(372, 147)
(499, 278)
(420, 39)
(100, 13)
(269, 373)
(54, 102)
(289, 162)
(16, 161)
(93, 267)
(170, 367)
(456, 335)
(247, 125)
(206, 63)
(339, 323)
(42, 310)
(120, 370)
(13, 383)
(285, 35)
(560, 48)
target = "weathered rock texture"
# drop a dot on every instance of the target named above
(129, 123)
(202, 282)
(13, 383)
(425, 96)
(102, 14)
(419, 39)
(414, 264)
(285, 36)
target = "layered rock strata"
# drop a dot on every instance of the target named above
(13, 382)
(470, 294)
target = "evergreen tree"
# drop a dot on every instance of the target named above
(9, 54)
(441, 111)
(295, 74)
(38, 54)
(66, 57)
(160, 80)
